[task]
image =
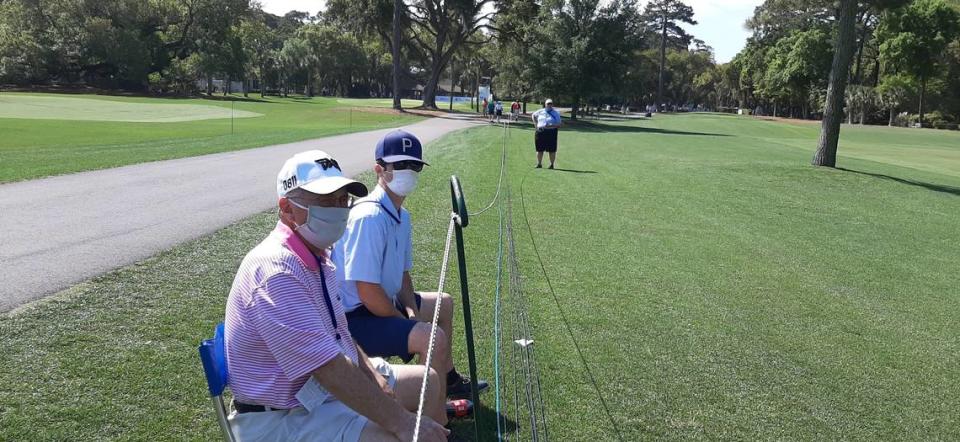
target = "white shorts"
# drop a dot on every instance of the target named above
(333, 421)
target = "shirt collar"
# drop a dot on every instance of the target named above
(291, 241)
(383, 198)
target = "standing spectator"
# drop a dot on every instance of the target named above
(547, 122)
(490, 106)
(515, 110)
(483, 107)
(498, 109)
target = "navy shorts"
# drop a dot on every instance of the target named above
(546, 140)
(382, 337)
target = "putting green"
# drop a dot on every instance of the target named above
(87, 109)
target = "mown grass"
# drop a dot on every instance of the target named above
(32, 148)
(719, 287)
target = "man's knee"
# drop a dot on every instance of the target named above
(446, 305)
(419, 340)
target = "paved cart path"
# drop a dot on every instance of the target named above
(55, 232)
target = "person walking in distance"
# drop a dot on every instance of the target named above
(547, 122)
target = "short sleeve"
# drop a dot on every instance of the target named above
(363, 245)
(286, 316)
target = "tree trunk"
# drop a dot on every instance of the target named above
(397, 5)
(262, 83)
(923, 91)
(226, 86)
(453, 74)
(436, 69)
(308, 86)
(573, 111)
(857, 76)
(890, 123)
(826, 154)
(663, 61)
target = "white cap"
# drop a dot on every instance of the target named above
(548, 101)
(316, 172)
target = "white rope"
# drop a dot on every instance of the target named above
(433, 326)
(503, 160)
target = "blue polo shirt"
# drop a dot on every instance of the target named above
(377, 247)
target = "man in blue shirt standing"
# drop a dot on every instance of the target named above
(374, 258)
(547, 122)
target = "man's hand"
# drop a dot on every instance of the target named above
(430, 430)
(411, 313)
(373, 374)
(385, 386)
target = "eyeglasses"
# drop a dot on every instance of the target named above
(415, 166)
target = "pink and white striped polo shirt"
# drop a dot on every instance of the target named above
(278, 326)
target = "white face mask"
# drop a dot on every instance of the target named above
(324, 226)
(404, 182)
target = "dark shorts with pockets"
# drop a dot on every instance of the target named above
(382, 337)
(546, 140)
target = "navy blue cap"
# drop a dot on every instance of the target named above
(400, 145)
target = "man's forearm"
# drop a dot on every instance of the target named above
(375, 299)
(407, 295)
(346, 381)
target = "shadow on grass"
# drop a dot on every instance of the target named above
(592, 127)
(464, 429)
(589, 127)
(929, 186)
(232, 98)
(574, 170)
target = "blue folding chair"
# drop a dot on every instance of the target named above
(214, 361)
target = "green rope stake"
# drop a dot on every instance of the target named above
(460, 209)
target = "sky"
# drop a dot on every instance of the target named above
(720, 24)
(720, 21)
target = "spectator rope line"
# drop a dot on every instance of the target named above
(497, 325)
(503, 162)
(526, 403)
(454, 219)
(566, 321)
(527, 371)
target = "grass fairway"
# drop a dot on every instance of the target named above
(58, 107)
(52, 134)
(718, 286)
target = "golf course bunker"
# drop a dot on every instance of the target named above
(58, 107)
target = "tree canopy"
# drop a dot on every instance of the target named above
(583, 53)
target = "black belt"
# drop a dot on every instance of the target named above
(251, 408)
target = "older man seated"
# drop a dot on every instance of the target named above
(295, 371)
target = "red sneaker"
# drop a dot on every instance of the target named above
(459, 408)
